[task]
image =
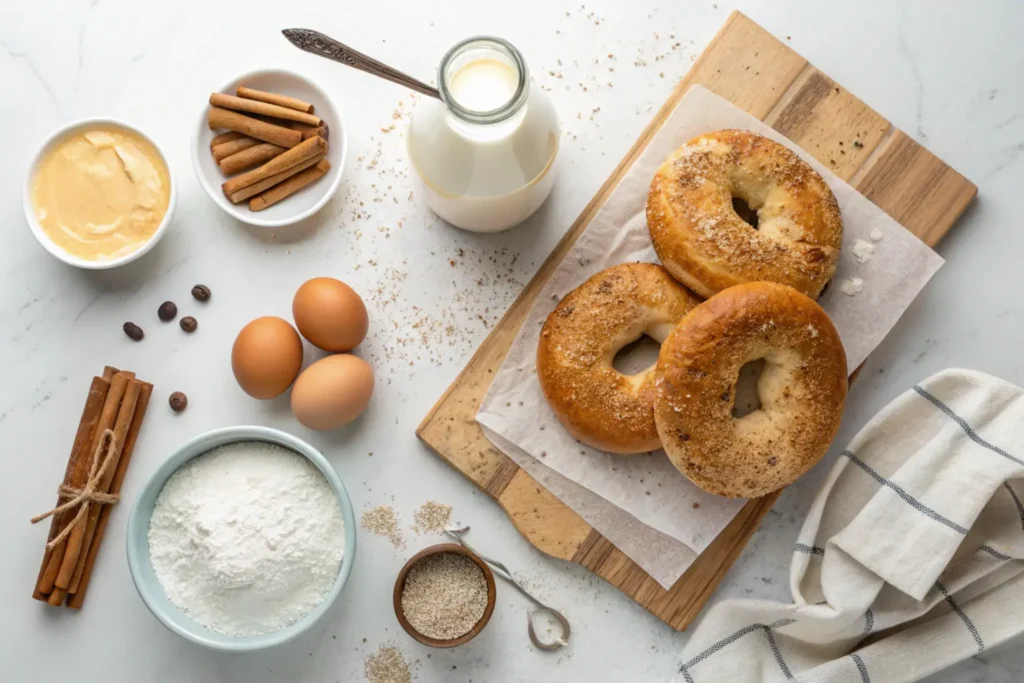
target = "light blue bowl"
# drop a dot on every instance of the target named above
(148, 586)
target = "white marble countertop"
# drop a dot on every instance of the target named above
(946, 73)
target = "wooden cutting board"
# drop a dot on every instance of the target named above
(748, 66)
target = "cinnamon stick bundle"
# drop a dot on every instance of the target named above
(277, 146)
(107, 430)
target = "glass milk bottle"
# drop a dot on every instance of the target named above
(485, 152)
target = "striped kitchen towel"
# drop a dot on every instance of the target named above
(910, 557)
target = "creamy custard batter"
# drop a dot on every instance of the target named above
(101, 194)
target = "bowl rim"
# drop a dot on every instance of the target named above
(138, 528)
(37, 230)
(338, 131)
(403, 575)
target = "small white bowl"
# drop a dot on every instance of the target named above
(306, 201)
(37, 230)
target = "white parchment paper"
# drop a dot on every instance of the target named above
(647, 490)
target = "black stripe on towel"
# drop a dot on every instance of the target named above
(966, 427)
(1016, 501)
(809, 549)
(994, 553)
(778, 654)
(909, 499)
(869, 621)
(728, 640)
(960, 613)
(861, 667)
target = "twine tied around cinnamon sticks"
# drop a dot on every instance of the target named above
(83, 497)
(107, 432)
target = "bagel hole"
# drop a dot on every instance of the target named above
(636, 356)
(743, 210)
(747, 400)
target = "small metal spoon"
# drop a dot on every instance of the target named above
(325, 46)
(502, 571)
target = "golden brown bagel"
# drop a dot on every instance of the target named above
(802, 390)
(704, 243)
(597, 404)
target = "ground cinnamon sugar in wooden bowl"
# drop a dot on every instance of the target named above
(444, 595)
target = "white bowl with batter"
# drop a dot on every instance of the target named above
(127, 253)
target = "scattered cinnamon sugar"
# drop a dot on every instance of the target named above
(387, 665)
(381, 214)
(432, 518)
(382, 521)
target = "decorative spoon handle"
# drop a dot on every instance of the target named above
(325, 46)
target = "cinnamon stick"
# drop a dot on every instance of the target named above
(225, 137)
(256, 188)
(75, 475)
(219, 99)
(296, 155)
(226, 149)
(125, 415)
(309, 131)
(274, 98)
(289, 187)
(254, 128)
(73, 547)
(146, 390)
(246, 159)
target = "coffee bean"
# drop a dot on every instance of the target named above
(189, 324)
(133, 331)
(201, 293)
(178, 401)
(167, 311)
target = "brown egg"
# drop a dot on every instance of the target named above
(266, 357)
(332, 392)
(330, 314)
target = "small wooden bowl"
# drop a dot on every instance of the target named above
(456, 549)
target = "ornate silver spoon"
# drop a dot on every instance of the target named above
(325, 46)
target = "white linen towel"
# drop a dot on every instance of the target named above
(910, 557)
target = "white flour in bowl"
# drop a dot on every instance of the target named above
(247, 539)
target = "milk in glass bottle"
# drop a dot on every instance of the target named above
(485, 152)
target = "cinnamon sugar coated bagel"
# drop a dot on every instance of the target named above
(801, 389)
(705, 244)
(597, 404)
